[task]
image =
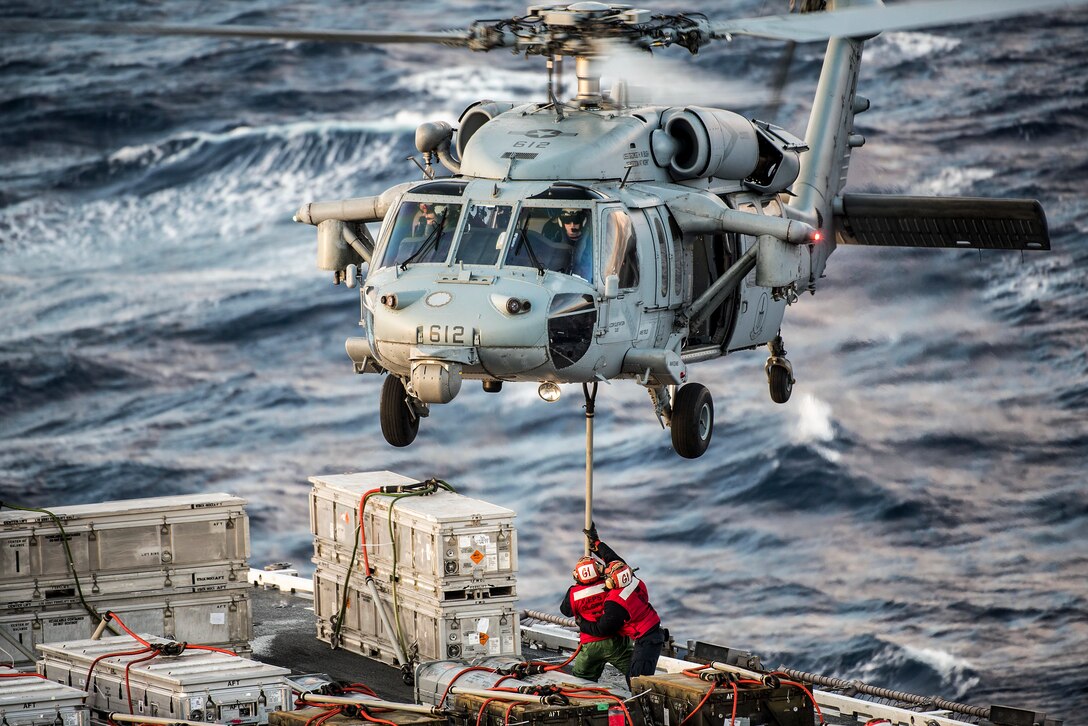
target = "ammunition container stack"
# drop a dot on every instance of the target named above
(444, 567)
(674, 697)
(171, 566)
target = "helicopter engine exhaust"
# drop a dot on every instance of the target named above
(710, 142)
(475, 116)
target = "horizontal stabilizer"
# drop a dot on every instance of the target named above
(953, 222)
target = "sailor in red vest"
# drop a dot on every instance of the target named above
(627, 611)
(585, 601)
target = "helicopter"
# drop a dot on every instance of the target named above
(602, 237)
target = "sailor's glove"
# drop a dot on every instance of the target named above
(591, 535)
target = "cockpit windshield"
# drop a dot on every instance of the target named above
(542, 238)
(422, 232)
(485, 233)
(555, 239)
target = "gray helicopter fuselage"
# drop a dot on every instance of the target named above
(472, 276)
(433, 315)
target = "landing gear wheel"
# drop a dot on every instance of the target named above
(399, 422)
(780, 383)
(692, 420)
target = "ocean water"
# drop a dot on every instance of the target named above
(916, 516)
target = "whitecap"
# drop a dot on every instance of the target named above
(892, 48)
(952, 180)
(813, 423)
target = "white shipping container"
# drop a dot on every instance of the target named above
(446, 543)
(435, 630)
(196, 685)
(101, 591)
(30, 700)
(124, 536)
(214, 618)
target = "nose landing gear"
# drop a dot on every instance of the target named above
(779, 372)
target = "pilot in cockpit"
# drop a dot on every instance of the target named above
(428, 218)
(574, 231)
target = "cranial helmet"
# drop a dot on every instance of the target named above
(617, 575)
(587, 570)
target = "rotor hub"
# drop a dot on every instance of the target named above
(573, 30)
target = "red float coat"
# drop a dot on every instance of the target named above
(585, 602)
(626, 612)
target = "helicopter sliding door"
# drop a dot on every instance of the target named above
(626, 252)
(706, 258)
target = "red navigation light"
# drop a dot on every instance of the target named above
(816, 235)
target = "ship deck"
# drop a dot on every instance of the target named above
(285, 626)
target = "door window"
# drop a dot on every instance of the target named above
(619, 251)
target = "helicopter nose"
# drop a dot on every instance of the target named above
(442, 330)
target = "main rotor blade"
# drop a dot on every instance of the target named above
(28, 25)
(866, 21)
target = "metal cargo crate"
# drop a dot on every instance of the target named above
(60, 593)
(436, 630)
(197, 685)
(444, 541)
(476, 586)
(434, 678)
(213, 618)
(124, 536)
(472, 710)
(306, 715)
(32, 700)
(674, 697)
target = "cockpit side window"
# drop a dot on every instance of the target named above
(553, 239)
(422, 232)
(485, 234)
(619, 253)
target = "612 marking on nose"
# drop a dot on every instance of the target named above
(448, 334)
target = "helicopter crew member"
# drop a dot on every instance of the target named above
(573, 235)
(585, 601)
(428, 219)
(627, 611)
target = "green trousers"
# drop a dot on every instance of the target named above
(589, 663)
